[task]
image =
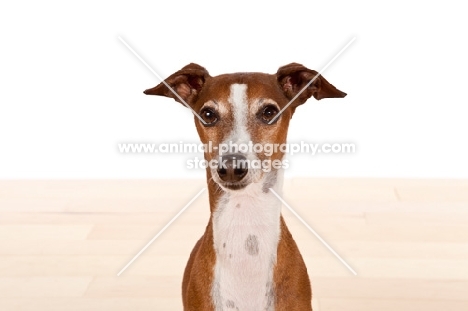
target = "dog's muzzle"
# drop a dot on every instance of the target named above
(232, 169)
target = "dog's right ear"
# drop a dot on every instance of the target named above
(187, 83)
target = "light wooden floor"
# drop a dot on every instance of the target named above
(62, 243)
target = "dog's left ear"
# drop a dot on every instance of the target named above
(187, 83)
(294, 77)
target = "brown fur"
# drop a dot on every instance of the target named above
(197, 88)
(293, 292)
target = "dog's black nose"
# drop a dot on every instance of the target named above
(232, 167)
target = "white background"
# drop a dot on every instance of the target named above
(71, 91)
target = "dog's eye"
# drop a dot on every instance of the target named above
(209, 116)
(268, 113)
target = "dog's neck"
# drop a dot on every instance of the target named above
(246, 229)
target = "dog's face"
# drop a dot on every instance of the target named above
(244, 117)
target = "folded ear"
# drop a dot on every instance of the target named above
(294, 77)
(187, 83)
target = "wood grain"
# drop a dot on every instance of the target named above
(62, 242)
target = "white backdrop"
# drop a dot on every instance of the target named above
(71, 91)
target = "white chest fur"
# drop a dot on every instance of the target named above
(246, 231)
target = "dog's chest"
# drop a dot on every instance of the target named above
(246, 232)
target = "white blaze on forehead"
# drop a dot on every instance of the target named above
(240, 109)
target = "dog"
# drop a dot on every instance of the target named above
(247, 259)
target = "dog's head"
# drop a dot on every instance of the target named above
(244, 116)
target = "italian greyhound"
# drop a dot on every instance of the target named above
(247, 259)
